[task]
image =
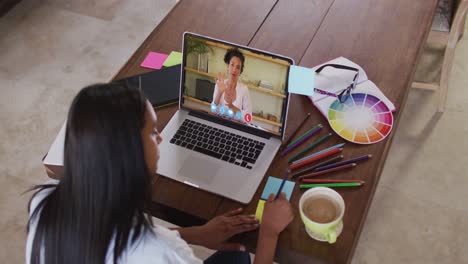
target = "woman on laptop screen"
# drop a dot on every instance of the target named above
(96, 212)
(229, 92)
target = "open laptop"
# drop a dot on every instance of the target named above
(224, 142)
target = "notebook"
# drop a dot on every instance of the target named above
(334, 80)
(161, 87)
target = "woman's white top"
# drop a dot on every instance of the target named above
(164, 246)
(242, 98)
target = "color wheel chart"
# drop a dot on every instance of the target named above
(362, 118)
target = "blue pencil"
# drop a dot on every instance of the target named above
(282, 183)
(344, 162)
(318, 153)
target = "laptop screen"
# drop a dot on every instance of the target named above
(235, 83)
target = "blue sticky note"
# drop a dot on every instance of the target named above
(301, 80)
(273, 185)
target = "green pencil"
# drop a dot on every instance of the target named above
(343, 184)
(310, 147)
(303, 135)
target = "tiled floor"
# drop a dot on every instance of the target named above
(50, 49)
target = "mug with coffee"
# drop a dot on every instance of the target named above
(322, 211)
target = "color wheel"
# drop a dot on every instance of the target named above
(362, 118)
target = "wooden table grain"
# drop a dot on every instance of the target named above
(385, 37)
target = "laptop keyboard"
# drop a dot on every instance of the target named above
(218, 143)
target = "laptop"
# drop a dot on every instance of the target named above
(223, 138)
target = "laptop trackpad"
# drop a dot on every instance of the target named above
(199, 170)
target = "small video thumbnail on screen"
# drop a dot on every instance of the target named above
(243, 86)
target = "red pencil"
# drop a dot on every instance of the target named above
(351, 165)
(315, 158)
(323, 163)
(329, 181)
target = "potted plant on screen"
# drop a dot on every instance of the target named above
(198, 54)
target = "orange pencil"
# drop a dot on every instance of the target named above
(347, 166)
(315, 158)
(330, 181)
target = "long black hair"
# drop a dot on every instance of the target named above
(102, 193)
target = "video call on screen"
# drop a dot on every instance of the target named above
(234, 83)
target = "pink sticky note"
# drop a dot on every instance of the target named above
(154, 60)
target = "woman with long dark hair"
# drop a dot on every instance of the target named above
(96, 212)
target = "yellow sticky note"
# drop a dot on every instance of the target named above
(173, 59)
(259, 212)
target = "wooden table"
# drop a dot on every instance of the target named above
(385, 37)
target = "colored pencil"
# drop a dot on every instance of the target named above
(302, 140)
(343, 184)
(282, 183)
(344, 162)
(315, 158)
(313, 145)
(319, 152)
(303, 135)
(295, 131)
(318, 173)
(329, 181)
(326, 162)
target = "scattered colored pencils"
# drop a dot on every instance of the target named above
(326, 162)
(315, 158)
(318, 153)
(344, 162)
(295, 131)
(347, 166)
(313, 145)
(302, 139)
(343, 184)
(303, 135)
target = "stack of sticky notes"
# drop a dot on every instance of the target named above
(155, 60)
(272, 186)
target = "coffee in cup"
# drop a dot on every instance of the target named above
(322, 211)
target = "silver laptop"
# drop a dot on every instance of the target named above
(223, 138)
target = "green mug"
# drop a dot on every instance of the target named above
(327, 232)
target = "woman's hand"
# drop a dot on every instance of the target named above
(219, 229)
(277, 215)
(233, 107)
(220, 82)
(223, 227)
(221, 88)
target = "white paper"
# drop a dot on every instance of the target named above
(335, 80)
(55, 154)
